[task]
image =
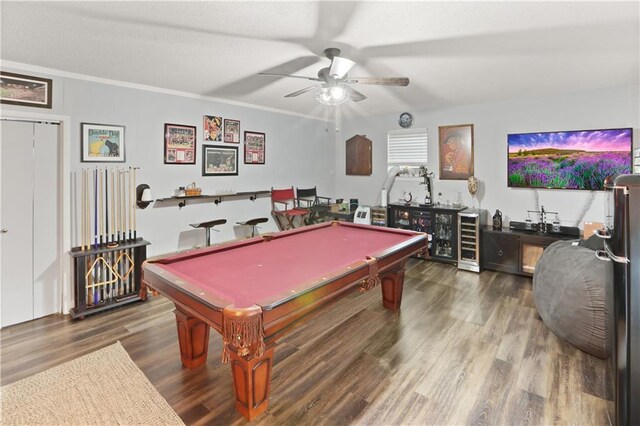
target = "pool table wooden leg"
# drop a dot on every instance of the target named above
(392, 284)
(193, 336)
(252, 380)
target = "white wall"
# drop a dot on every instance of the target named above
(298, 153)
(607, 108)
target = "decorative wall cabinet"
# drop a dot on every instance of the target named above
(359, 156)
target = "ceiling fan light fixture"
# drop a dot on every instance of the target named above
(331, 96)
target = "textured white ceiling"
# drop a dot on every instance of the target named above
(454, 53)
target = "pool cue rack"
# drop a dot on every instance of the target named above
(107, 264)
(119, 272)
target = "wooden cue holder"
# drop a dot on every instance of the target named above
(113, 273)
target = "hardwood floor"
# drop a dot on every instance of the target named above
(465, 349)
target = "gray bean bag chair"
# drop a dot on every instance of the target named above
(570, 290)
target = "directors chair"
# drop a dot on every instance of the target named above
(281, 200)
(318, 206)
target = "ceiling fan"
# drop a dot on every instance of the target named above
(334, 80)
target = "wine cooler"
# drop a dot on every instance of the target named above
(470, 223)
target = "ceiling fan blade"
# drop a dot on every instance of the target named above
(340, 67)
(354, 94)
(301, 91)
(270, 74)
(380, 81)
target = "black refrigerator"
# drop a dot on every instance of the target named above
(622, 248)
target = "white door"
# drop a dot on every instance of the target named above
(29, 212)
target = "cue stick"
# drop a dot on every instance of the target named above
(101, 203)
(88, 235)
(96, 291)
(131, 213)
(130, 204)
(95, 208)
(123, 218)
(113, 212)
(123, 206)
(135, 219)
(135, 236)
(129, 223)
(100, 216)
(82, 218)
(106, 206)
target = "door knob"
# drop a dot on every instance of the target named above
(3, 231)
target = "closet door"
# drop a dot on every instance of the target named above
(16, 222)
(29, 219)
(46, 211)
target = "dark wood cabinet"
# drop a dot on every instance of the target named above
(440, 222)
(359, 156)
(501, 252)
(515, 252)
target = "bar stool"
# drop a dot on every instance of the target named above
(207, 227)
(253, 223)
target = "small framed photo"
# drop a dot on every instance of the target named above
(231, 131)
(179, 144)
(254, 147)
(102, 143)
(25, 90)
(456, 151)
(219, 161)
(212, 126)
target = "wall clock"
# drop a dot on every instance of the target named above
(405, 120)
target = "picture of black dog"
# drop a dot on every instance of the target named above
(114, 148)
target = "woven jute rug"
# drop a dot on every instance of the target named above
(102, 388)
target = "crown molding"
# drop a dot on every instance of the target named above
(66, 74)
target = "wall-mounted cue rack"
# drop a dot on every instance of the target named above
(107, 265)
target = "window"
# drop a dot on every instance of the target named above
(407, 148)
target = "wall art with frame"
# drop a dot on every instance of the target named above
(456, 151)
(179, 144)
(254, 147)
(219, 160)
(231, 131)
(102, 143)
(212, 127)
(25, 90)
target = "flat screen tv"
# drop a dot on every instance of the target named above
(579, 159)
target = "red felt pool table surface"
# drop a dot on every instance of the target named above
(263, 272)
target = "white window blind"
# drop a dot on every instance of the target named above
(407, 147)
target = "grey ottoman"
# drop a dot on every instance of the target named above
(570, 290)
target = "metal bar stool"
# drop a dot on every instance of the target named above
(207, 227)
(253, 223)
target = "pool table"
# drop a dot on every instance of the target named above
(252, 291)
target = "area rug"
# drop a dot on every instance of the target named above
(102, 388)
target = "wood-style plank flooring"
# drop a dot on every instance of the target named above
(466, 348)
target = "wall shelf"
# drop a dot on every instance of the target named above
(215, 198)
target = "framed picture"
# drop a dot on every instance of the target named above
(231, 131)
(254, 144)
(179, 144)
(18, 89)
(102, 143)
(219, 160)
(212, 128)
(456, 151)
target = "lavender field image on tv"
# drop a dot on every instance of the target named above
(572, 160)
